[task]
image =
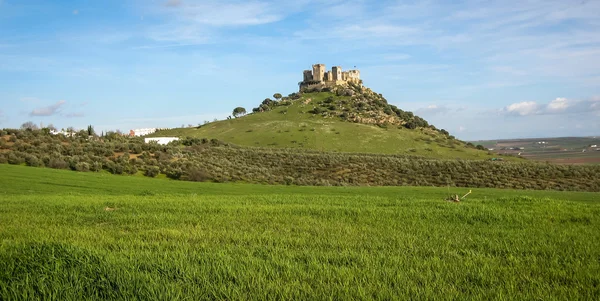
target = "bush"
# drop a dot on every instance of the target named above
(197, 175)
(14, 159)
(132, 170)
(96, 166)
(58, 163)
(316, 110)
(82, 166)
(33, 161)
(114, 168)
(174, 173)
(151, 171)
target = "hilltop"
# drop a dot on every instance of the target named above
(341, 118)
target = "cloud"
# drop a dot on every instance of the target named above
(557, 106)
(49, 110)
(76, 12)
(224, 13)
(29, 99)
(522, 108)
(173, 3)
(75, 115)
(186, 23)
(433, 110)
(396, 57)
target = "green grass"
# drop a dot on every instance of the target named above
(169, 240)
(298, 129)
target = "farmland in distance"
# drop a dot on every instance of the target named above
(565, 150)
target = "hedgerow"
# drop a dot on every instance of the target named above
(196, 159)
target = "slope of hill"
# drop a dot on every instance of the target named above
(344, 119)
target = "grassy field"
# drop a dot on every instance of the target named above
(75, 236)
(299, 129)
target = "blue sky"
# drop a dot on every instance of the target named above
(480, 69)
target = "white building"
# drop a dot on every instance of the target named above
(67, 134)
(142, 132)
(161, 140)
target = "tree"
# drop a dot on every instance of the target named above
(239, 111)
(277, 96)
(29, 125)
(90, 130)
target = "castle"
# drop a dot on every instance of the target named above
(318, 77)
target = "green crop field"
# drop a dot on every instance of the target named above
(77, 236)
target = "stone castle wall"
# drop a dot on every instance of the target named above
(319, 77)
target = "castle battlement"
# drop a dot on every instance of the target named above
(319, 77)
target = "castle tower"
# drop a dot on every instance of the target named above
(354, 75)
(328, 76)
(318, 72)
(308, 76)
(337, 73)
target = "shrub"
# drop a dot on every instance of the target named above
(14, 159)
(316, 110)
(96, 166)
(196, 174)
(58, 163)
(174, 173)
(151, 171)
(114, 168)
(33, 161)
(82, 166)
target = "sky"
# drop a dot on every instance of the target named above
(479, 69)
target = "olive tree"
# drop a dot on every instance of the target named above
(239, 111)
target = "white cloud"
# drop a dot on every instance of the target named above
(29, 99)
(522, 108)
(396, 57)
(75, 115)
(173, 3)
(433, 110)
(557, 106)
(223, 13)
(49, 110)
(186, 23)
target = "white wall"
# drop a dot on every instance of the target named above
(161, 140)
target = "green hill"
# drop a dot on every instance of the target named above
(341, 119)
